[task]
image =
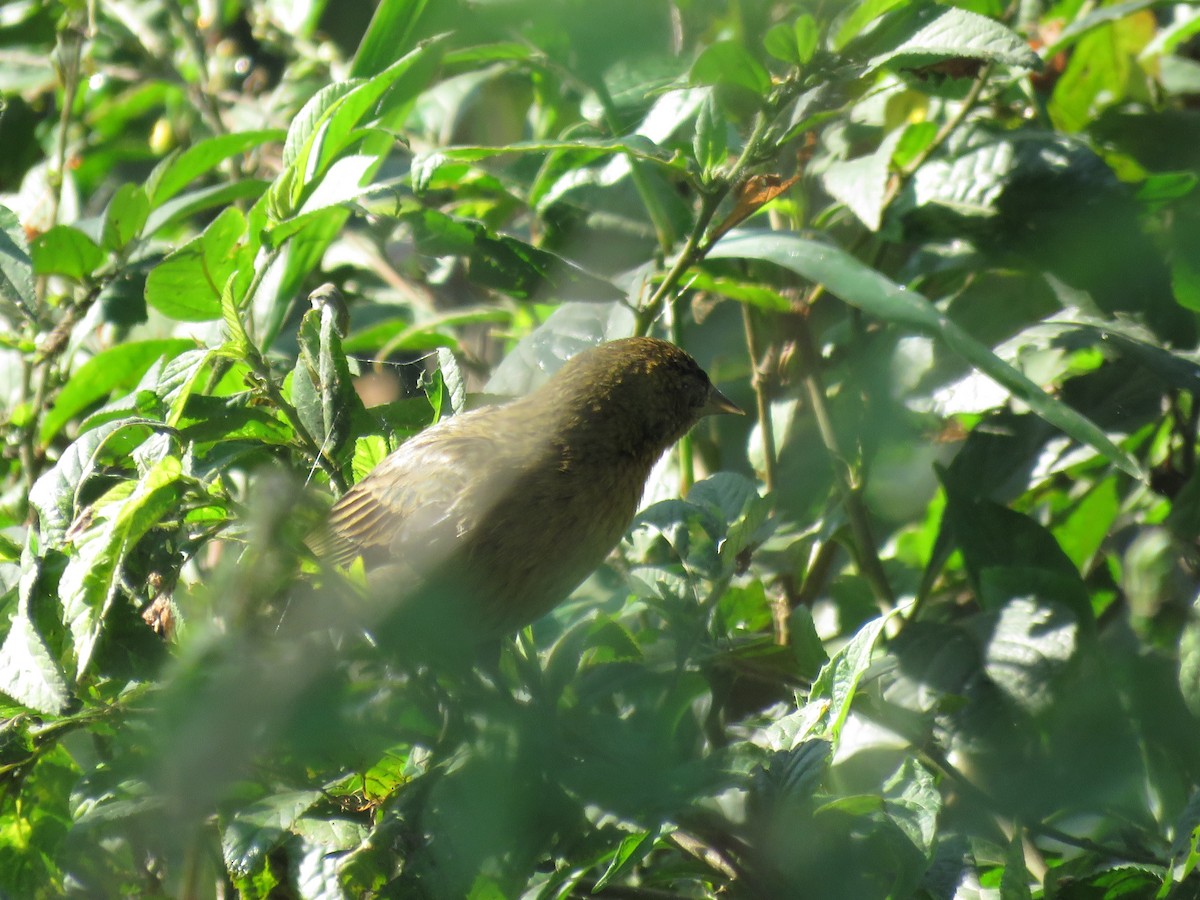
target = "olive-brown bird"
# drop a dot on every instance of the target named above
(494, 516)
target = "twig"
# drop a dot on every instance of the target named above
(942, 136)
(658, 216)
(697, 246)
(202, 97)
(758, 381)
(935, 759)
(687, 257)
(846, 476)
(36, 373)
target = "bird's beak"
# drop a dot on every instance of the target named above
(719, 403)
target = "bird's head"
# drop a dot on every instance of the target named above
(636, 395)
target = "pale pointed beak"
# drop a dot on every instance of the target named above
(719, 403)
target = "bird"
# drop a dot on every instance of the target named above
(485, 521)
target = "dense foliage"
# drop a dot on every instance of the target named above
(923, 623)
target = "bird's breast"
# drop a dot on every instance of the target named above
(550, 530)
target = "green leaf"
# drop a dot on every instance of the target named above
(1008, 554)
(742, 290)
(215, 419)
(860, 15)
(1028, 641)
(16, 267)
(631, 851)
(179, 378)
(638, 146)
(1086, 527)
(453, 379)
(1103, 71)
(123, 297)
(808, 36)
(175, 172)
(389, 35)
(189, 203)
(780, 42)
(727, 494)
(794, 44)
(1097, 18)
(912, 802)
(92, 578)
(124, 217)
(862, 183)
(312, 117)
(487, 53)
(320, 133)
(838, 679)
(28, 672)
(54, 494)
(1189, 663)
(710, 143)
(505, 263)
(322, 387)
(870, 291)
(791, 775)
(322, 850)
(1015, 879)
(952, 33)
(187, 285)
(1185, 258)
(67, 251)
(117, 367)
(35, 830)
(728, 62)
(346, 182)
(369, 451)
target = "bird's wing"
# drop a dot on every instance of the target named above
(419, 500)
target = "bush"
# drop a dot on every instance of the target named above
(923, 624)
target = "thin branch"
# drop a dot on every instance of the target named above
(202, 97)
(658, 216)
(759, 381)
(697, 246)
(936, 760)
(687, 257)
(947, 129)
(846, 476)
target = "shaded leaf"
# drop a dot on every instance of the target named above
(505, 263)
(256, 830)
(16, 266)
(92, 578)
(28, 672)
(870, 291)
